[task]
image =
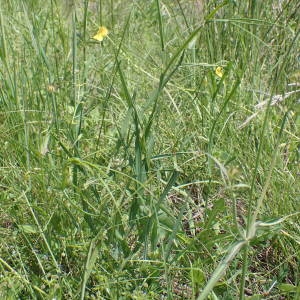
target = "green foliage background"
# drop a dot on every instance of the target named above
(129, 169)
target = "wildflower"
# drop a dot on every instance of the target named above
(51, 88)
(219, 72)
(101, 34)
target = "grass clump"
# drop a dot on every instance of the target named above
(156, 158)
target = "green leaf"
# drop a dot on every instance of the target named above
(254, 297)
(28, 228)
(286, 287)
(91, 258)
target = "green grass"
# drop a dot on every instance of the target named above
(129, 169)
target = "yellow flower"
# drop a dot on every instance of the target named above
(101, 34)
(219, 72)
(51, 88)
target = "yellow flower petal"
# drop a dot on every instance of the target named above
(51, 88)
(101, 34)
(219, 72)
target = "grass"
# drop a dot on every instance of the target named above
(129, 169)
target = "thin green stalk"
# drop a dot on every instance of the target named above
(84, 38)
(114, 73)
(91, 258)
(77, 103)
(41, 232)
(100, 12)
(279, 69)
(220, 270)
(112, 13)
(74, 79)
(213, 126)
(160, 24)
(269, 176)
(251, 216)
(184, 16)
(3, 47)
(79, 107)
(257, 210)
(244, 272)
(74, 60)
